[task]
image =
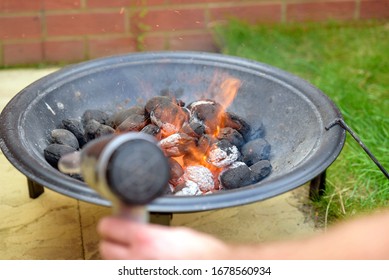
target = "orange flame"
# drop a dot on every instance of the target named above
(227, 92)
(224, 88)
(229, 89)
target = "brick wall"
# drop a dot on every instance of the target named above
(52, 31)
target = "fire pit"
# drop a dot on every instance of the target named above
(293, 113)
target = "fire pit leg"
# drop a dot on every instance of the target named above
(317, 186)
(34, 189)
(161, 218)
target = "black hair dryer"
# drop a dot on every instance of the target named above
(129, 169)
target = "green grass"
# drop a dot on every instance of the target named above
(350, 63)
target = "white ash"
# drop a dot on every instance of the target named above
(222, 157)
(170, 145)
(191, 188)
(199, 175)
(201, 102)
(236, 164)
(176, 144)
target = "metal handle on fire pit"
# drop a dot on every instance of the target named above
(343, 125)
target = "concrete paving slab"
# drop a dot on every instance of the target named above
(54, 226)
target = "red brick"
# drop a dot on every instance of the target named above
(253, 13)
(22, 53)
(111, 46)
(20, 27)
(64, 51)
(20, 5)
(123, 3)
(170, 20)
(192, 42)
(198, 1)
(378, 9)
(154, 43)
(84, 24)
(61, 4)
(319, 11)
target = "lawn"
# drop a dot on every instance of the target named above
(350, 63)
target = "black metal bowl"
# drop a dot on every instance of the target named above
(294, 114)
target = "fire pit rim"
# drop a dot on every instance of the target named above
(61, 183)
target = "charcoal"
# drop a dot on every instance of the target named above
(205, 143)
(180, 102)
(222, 154)
(64, 137)
(94, 129)
(257, 131)
(157, 101)
(194, 129)
(209, 112)
(76, 128)
(255, 150)
(117, 118)
(133, 122)
(93, 114)
(240, 124)
(204, 109)
(90, 129)
(177, 144)
(237, 176)
(153, 130)
(209, 149)
(169, 117)
(176, 171)
(260, 170)
(232, 136)
(54, 152)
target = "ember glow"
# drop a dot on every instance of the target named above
(210, 149)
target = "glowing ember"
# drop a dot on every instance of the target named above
(208, 147)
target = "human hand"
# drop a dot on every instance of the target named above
(125, 239)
